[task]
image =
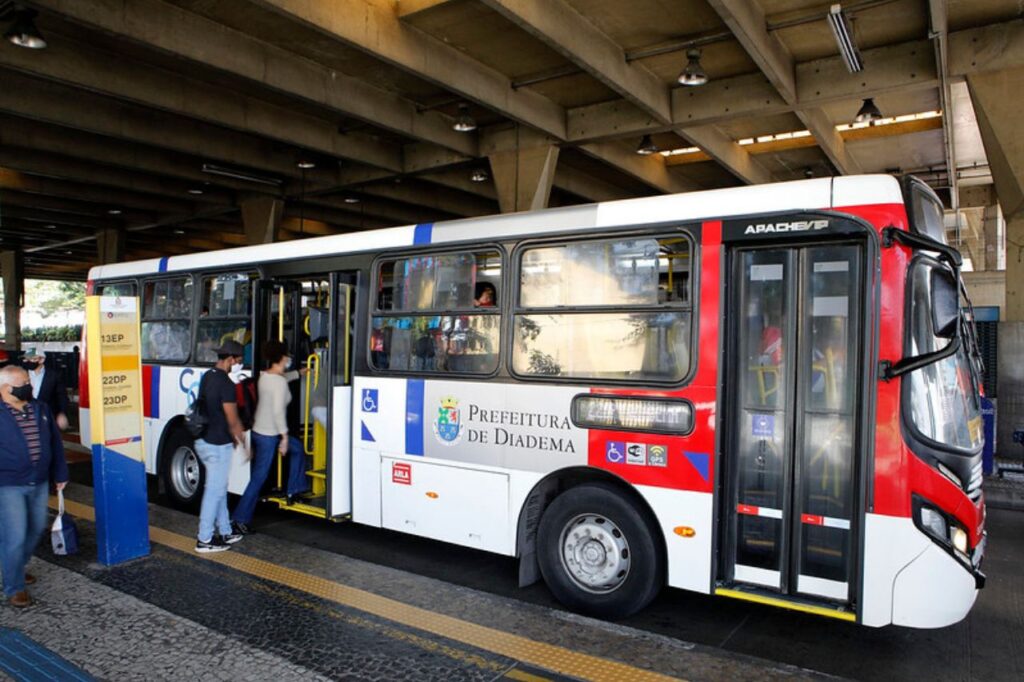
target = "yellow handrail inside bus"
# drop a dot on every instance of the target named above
(348, 316)
(312, 381)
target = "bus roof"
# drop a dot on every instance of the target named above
(815, 194)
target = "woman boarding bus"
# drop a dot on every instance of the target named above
(766, 393)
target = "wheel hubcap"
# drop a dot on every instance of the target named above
(185, 472)
(595, 553)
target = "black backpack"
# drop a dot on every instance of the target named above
(245, 397)
(196, 419)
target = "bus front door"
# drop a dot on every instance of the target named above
(312, 316)
(790, 465)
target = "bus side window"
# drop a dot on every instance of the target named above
(224, 315)
(167, 320)
(437, 313)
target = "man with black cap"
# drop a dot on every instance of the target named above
(223, 432)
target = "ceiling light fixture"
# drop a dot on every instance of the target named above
(51, 227)
(306, 165)
(23, 31)
(464, 123)
(114, 211)
(646, 146)
(694, 73)
(350, 199)
(235, 174)
(840, 26)
(868, 112)
(179, 232)
(479, 175)
(195, 190)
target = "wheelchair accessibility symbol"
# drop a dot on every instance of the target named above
(369, 400)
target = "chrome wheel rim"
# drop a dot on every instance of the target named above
(185, 472)
(595, 553)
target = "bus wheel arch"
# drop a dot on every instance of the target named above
(179, 471)
(571, 496)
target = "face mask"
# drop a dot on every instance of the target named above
(22, 392)
(236, 368)
(30, 366)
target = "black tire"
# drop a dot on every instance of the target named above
(627, 560)
(181, 471)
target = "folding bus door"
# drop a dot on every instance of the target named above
(791, 454)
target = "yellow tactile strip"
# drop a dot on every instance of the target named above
(547, 656)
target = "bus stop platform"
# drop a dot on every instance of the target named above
(274, 609)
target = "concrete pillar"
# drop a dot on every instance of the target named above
(261, 216)
(523, 166)
(110, 245)
(12, 268)
(991, 229)
(996, 100)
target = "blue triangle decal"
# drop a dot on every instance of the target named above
(700, 461)
(366, 435)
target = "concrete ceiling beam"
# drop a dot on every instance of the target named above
(75, 109)
(189, 36)
(26, 183)
(747, 22)
(81, 65)
(894, 68)
(650, 170)
(409, 9)
(565, 30)
(64, 167)
(587, 186)
(374, 27)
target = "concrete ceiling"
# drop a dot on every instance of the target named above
(132, 97)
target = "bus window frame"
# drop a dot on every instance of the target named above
(115, 282)
(922, 446)
(255, 277)
(162, 277)
(688, 231)
(500, 310)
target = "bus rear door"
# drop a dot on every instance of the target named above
(312, 314)
(790, 425)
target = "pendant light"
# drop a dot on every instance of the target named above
(464, 123)
(868, 113)
(646, 146)
(694, 73)
(23, 31)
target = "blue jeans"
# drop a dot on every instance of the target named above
(264, 449)
(213, 512)
(22, 522)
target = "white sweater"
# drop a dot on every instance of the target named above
(272, 407)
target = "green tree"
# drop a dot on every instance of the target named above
(51, 297)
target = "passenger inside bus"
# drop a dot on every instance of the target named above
(486, 296)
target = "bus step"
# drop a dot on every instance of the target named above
(311, 506)
(317, 473)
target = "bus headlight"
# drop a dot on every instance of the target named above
(959, 537)
(934, 522)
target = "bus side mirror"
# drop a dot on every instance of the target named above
(945, 303)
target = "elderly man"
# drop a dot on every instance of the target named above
(31, 453)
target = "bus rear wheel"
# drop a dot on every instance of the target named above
(181, 471)
(598, 553)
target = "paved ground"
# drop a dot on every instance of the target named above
(274, 609)
(703, 634)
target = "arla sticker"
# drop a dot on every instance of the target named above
(401, 473)
(636, 453)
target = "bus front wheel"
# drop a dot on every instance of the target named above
(182, 472)
(598, 553)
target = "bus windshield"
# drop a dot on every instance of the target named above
(944, 401)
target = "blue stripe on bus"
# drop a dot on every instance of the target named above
(423, 233)
(154, 392)
(163, 264)
(414, 417)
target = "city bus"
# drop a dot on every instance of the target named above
(767, 393)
